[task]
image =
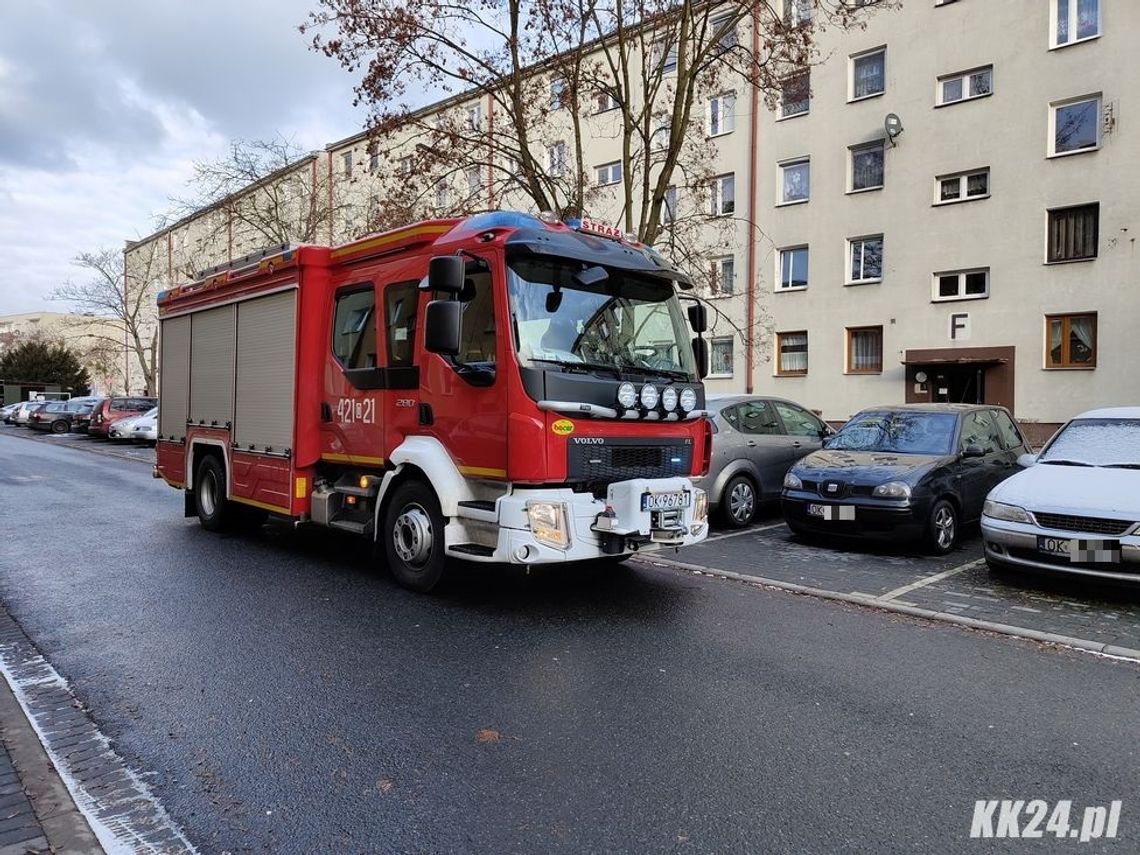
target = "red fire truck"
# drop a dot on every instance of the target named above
(501, 388)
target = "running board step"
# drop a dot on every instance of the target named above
(484, 511)
(351, 525)
(476, 549)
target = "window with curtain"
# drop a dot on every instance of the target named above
(865, 350)
(795, 181)
(1075, 20)
(720, 351)
(867, 166)
(1073, 233)
(868, 74)
(792, 350)
(795, 95)
(1071, 341)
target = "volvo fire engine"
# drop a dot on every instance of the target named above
(500, 388)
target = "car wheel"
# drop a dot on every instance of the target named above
(215, 511)
(413, 536)
(942, 527)
(738, 502)
(59, 426)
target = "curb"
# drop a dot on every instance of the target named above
(899, 608)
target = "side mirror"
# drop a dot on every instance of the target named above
(441, 326)
(1026, 460)
(446, 273)
(973, 451)
(701, 355)
(698, 318)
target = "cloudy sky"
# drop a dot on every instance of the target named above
(106, 104)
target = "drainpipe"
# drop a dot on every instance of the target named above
(330, 160)
(753, 132)
(490, 153)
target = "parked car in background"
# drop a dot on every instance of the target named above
(755, 442)
(111, 410)
(1075, 508)
(918, 471)
(145, 427)
(25, 410)
(82, 419)
(8, 412)
(55, 416)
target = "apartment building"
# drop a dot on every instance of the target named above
(98, 342)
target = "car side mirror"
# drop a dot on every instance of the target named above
(442, 323)
(1026, 460)
(973, 451)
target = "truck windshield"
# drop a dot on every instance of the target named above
(626, 323)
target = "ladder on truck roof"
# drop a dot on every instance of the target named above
(245, 261)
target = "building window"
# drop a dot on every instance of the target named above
(722, 114)
(795, 181)
(665, 55)
(724, 195)
(792, 353)
(966, 85)
(1073, 233)
(604, 102)
(797, 12)
(556, 159)
(795, 95)
(867, 166)
(864, 350)
(962, 186)
(474, 180)
(669, 206)
(373, 158)
(866, 256)
(1074, 21)
(720, 351)
(557, 92)
(793, 268)
(442, 194)
(662, 132)
(724, 275)
(869, 74)
(405, 166)
(1071, 341)
(1074, 125)
(346, 160)
(727, 29)
(609, 173)
(962, 284)
(474, 117)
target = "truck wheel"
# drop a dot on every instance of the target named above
(214, 509)
(413, 536)
(738, 502)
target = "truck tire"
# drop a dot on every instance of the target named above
(215, 512)
(413, 536)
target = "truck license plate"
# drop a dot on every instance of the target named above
(831, 512)
(666, 501)
(1081, 551)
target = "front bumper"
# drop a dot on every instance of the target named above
(629, 529)
(856, 516)
(1014, 545)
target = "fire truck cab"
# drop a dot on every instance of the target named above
(501, 388)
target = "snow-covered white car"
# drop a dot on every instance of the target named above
(123, 428)
(1075, 509)
(145, 427)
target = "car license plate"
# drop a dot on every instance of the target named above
(666, 501)
(831, 512)
(1081, 551)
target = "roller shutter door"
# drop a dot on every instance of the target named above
(212, 366)
(174, 378)
(265, 372)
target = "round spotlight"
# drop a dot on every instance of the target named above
(649, 396)
(669, 398)
(688, 400)
(627, 395)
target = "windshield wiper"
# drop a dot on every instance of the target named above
(1066, 462)
(583, 366)
(664, 372)
(1120, 465)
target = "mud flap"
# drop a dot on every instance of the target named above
(190, 508)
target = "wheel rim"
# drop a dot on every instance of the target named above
(412, 536)
(944, 527)
(741, 502)
(207, 494)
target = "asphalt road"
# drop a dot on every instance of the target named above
(281, 693)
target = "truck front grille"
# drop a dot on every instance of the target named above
(620, 459)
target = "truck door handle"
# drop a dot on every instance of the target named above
(326, 412)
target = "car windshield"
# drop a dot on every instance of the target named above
(897, 433)
(624, 322)
(1096, 442)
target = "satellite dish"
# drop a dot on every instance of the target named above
(893, 125)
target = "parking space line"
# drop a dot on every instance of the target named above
(930, 580)
(751, 530)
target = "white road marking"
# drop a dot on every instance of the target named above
(930, 580)
(751, 530)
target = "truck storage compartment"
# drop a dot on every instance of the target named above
(212, 340)
(266, 336)
(174, 395)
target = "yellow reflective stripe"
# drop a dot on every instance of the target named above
(480, 470)
(265, 507)
(301, 489)
(352, 458)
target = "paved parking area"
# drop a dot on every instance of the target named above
(83, 442)
(894, 575)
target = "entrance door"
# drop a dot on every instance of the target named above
(959, 384)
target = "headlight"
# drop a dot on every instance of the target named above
(700, 506)
(688, 399)
(791, 482)
(627, 395)
(669, 398)
(892, 490)
(548, 523)
(1009, 513)
(649, 396)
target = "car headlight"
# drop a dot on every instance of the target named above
(700, 506)
(688, 399)
(669, 398)
(892, 490)
(792, 482)
(1009, 513)
(548, 523)
(649, 396)
(627, 395)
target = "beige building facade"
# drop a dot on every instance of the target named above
(97, 341)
